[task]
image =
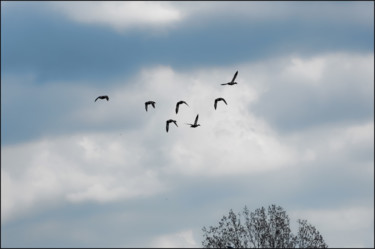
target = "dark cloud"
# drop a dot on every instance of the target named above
(291, 107)
(62, 49)
(30, 110)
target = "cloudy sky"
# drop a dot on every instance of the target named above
(298, 130)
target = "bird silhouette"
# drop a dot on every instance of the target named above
(195, 123)
(149, 103)
(102, 97)
(232, 82)
(217, 100)
(179, 103)
(169, 121)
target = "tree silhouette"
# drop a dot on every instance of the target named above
(259, 229)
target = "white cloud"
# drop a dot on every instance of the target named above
(121, 15)
(184, 239)
(309, 71)
(327, 72)
(240, 139)
(279, 11)
(119, 163)
(351, 136)
(85, 167)
(352, 143)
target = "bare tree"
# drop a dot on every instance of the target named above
(308, 236)
(259, 229)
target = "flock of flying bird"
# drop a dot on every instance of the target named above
(195, 124)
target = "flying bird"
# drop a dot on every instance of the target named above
(149, 103)
(217, 100)
(195, 123)
(232, 82)
(169, 121)
(179, 103)
(102, 97)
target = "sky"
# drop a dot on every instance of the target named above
(297, 130)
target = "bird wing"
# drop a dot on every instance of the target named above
(185, 103)
(235, 75)
(175, 122)
(224, 101)
(167, 127)
(96, 99)
(153, 104)
(146, 106)
(106, 97)
(215, 103)
(177, 107)
(224, 84)
(196, 120)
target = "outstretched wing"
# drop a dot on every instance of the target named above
(196, 120)
(175, 122)
(167, 126)
(153, 104)
(234, 77)
(177, 105)
(185, 103)
(146, 104)
(224, 101)
(215, 103)
(224, 84)
(96, 99)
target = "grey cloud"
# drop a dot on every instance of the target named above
(359, 12)
(59, 49)
(341, 93)
(137, 221)
(308, 108)
(31, 110)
